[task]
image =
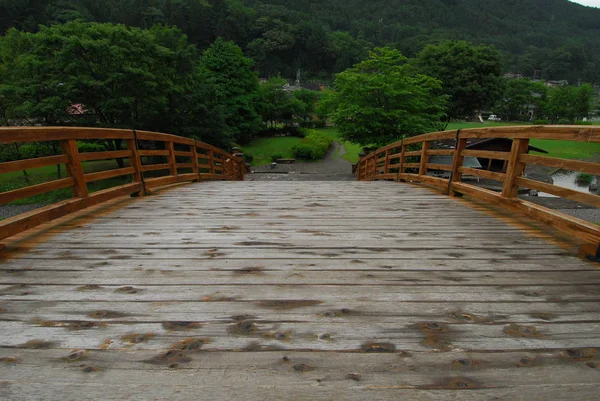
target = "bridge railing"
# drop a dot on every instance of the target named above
(145, 160)
(408, 160)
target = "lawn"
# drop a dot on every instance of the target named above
(567, 149)
(16, 180)
(555, 148)
(262, 148)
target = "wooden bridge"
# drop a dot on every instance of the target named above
(221, 289)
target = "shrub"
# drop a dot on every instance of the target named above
(90, 147)
(313, 147)
(541, 122)
(585, 179)
(248, 158)
(276, 156)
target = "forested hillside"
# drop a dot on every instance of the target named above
(559, 38)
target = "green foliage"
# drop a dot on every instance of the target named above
(276, 156)
(568, 104)
(521, 99)
(263, 148)
(224, 66)
(470, 75)
(556, 38)
(277, 106)
(381, 99)
(314, 147)
(584, 178)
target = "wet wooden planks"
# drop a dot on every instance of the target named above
(301, 290)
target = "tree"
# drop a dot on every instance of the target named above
(568, 104)
(470, 75)
(381, 99)
(520, 98)
(236, 88)
(277, 105)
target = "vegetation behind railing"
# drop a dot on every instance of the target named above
(408, 160)
(154, 160)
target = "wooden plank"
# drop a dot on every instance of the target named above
(183, 154)
(434, 136)
(112, 154)
(25, 221)
(574, 165)
(424, 158)
(490, 175)
(145, 153)
(577, 133)
(442, 167)
(75, 168)
(185, 165)
(515, 168)
(103, 175)
(440, 152)
(157, 136)
(9, 167)
(172, 159)
(155, 167)
(411, 165)
(486, 154)
(136, 163)
(170, 179)
(33, 134)
(576, 227)
(412, 153)
(32, 190)
(581, 197)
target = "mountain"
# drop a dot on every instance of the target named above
(554, 39)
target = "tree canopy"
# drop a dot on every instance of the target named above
(470, 75)
(381, 98)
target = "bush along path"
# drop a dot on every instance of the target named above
(331, 168)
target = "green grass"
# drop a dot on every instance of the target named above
(16, 180)
(462, 125)
(262, 148)
(567, 149)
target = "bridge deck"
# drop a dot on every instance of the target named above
(303, 290)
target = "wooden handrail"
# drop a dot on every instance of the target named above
(146, 151)
(402, 165)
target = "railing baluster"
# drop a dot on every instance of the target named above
(172, 159)
(516, 168)
(457, 163)
(136, 162)
(424, 158)
(402, 157)
(75, 168)
(195, 168)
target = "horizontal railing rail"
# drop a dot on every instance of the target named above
(144, 160)
(408, 160)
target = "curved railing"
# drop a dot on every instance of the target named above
(408, 160)
(150, 159)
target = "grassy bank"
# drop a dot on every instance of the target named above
(16, 180)
(262, 148)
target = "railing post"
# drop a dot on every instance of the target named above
(211, 159)
(195, 168)
(457, 162)
(172, 159)
(515, 168)
(136, 163)
(424, 158)
(75, 168)
(402, 156)
(386, 169)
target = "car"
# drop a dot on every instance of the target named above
(494, 117)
